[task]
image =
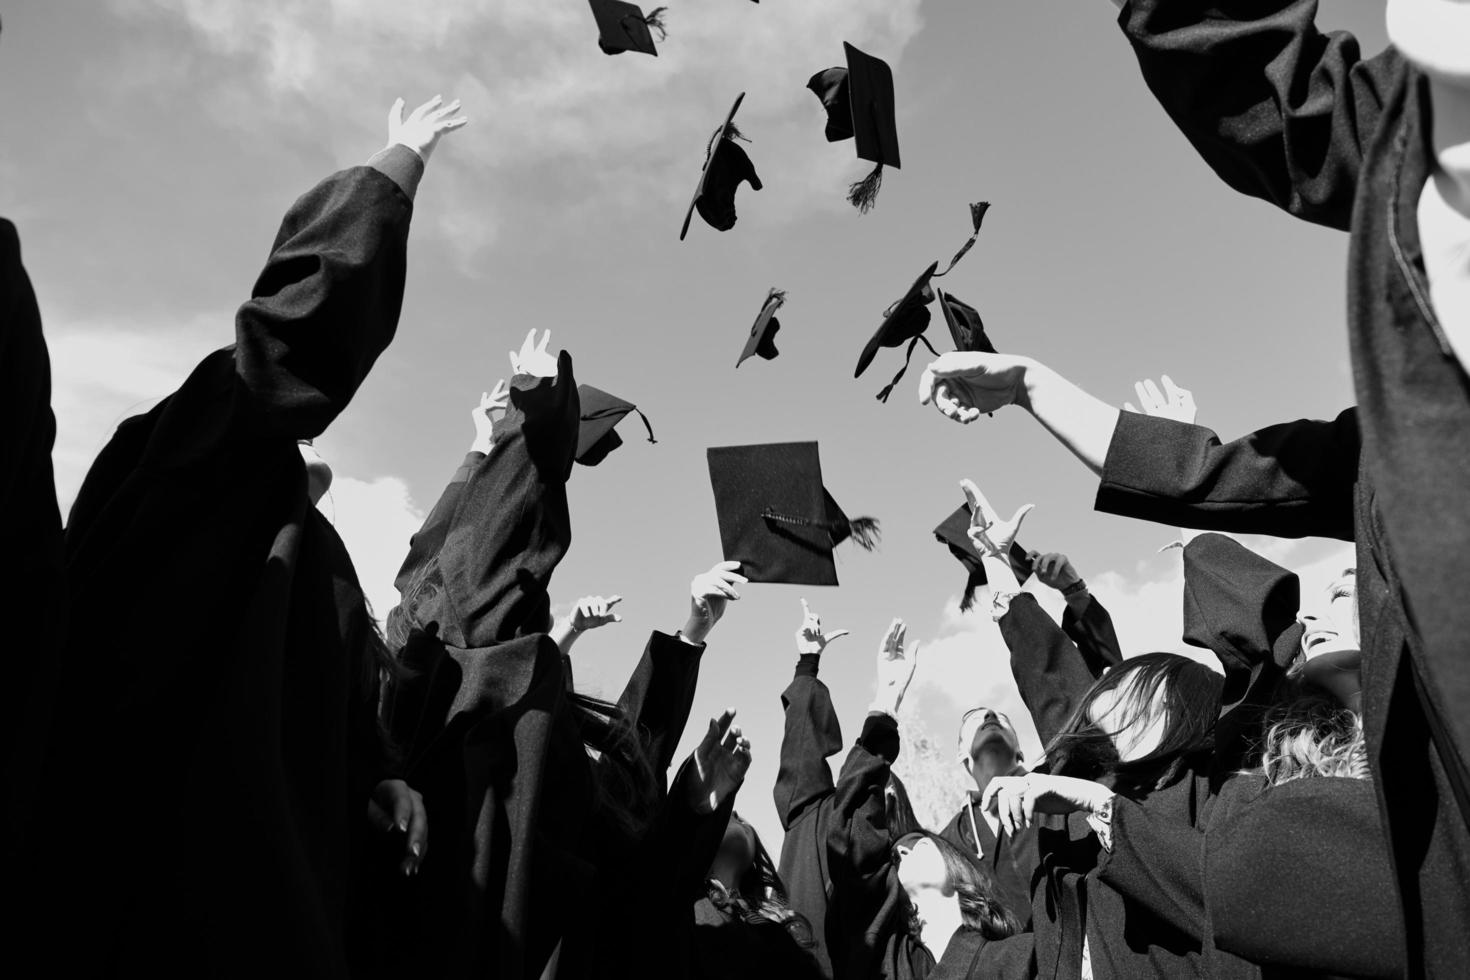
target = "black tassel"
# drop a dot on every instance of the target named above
(655, 22)
(646, 425)
(863, 194)
(865, 532)
(888, 389)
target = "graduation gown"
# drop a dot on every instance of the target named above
(30, 535)
(803, 796)
(1288, 480)
(1125, 938)
(1012, 860)
(1299, 118)
(204, 779)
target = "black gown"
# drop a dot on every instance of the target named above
(213, 746)
(1298, 117)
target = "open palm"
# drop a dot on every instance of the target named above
(720, 762)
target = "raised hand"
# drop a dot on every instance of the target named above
(593, 611)
(964, 385)
(809, 635)
(396, 806)
(720, 762)
(421, 131)
(709, 593)
(991, 535)
(533, 358)
(895, 668)
(1017, 799)
(1053, 570)
(492, 403)
(1173, 402)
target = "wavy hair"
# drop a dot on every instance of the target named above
(1313, 736)
(759, 897)
(979, 907)
(1191, 706)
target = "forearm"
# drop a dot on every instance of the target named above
(811, 735)
(1082, 423)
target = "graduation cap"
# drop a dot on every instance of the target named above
(965, 326)
(726, 165)
(776, 518)
(907, 319)
(602, 412)
(762, 340)
(954, 533)
(623, 27)
(860, 106)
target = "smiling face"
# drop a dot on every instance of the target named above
(1135, 720)
(1434, 35)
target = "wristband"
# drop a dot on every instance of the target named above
(1101, 821)
(1078, 586)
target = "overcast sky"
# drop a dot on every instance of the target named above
(152, 146)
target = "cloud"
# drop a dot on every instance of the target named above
(375, 519)
(546, 105)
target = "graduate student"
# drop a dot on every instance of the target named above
(1145, 728)
(1293, 480)
(804, 786)
(1378, 147)
(989, 746)
(229, 717)
(907, 904)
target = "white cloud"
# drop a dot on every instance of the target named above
(375, 519)
(546, 105)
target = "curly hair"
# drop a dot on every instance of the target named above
(1311, 736)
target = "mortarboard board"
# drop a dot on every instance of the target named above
(623, 27)
(965, 327)
(906, 319)
(776, 518)
(726, 165)
(600, 413)
(859, 101)
(954, 532)
(762, 334)
(909, 317)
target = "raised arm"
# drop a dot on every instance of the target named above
(812, 733)
(1084, 620)
(1280, 110)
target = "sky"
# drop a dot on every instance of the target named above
(154, 144)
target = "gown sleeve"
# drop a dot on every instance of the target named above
(1050, 672)
(659, 695)
(1291, 480)
(427, 542)
(1278, 109)
(811, 736)
(1092, 631)
(1157, 863)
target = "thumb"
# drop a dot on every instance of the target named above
(1021, 515)
(545, 339)
(837, 634)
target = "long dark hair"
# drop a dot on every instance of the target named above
(760, 897)
(973, 887)
(1191, 703)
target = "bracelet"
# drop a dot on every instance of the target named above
(1101, 821)
(1078, 586)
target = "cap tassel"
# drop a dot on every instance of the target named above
(655, 22)
(888, 389)
(646, 425)
(863, 194)
(977, 215)
(865, 532)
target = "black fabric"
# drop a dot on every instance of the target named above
(1299, 118)
(803, 797)
(726, 169)
(966, 328)
(30, 535)
(762, 340)
(235, 636)
(428, 541)
(904, 321)
(622, 27)
(954, 533)
(1010, 859)
(659, 695)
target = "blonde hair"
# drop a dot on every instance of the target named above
(1312, 736)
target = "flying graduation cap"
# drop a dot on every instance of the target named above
(623, 27)
(907, 319)
(776, 518)
(601, 413)
(860, 106)
(762, 340)
(954, 533)
(726, 166)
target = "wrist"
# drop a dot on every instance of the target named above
(1034, 376)
(695, 631)
(1077, 589)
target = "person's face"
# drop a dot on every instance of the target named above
(1434, 35)
(921, 867)
(1336, 629)
(318, 473)
(1135, 733)
(738, 845)
(990, 734)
